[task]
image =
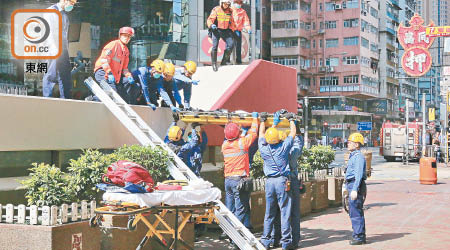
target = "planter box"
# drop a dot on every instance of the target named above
(257, 209)
(72, 236)
(335, 191)
(116, 239)
(319, 197)
(305, 200)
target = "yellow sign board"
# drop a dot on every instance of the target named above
(431, 114)
(438, 31)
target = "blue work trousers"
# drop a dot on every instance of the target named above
(226, 35)
(187, 93)
(295, 216)
(237, 35)
(236, 201)
(128, 92)
(58, 72)
(277, 196)
(356, 211)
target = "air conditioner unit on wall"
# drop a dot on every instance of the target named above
(322, 69)
(304, 67)
(330, 69)
(338, 6)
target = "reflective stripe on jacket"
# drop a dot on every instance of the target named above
(240, 19)
(114, 58)
(235, 154)
(223, 18)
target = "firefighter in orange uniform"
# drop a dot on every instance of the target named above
(220, 25)
(241, 21)
(112, 65)
(236, 169)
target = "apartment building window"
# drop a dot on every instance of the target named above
(332, 43)
(313, 25)
(330, 24)
(328, 81)
(374, 12)
(321, 43)
(349, 60)
(314, 62)
(369, 81)
(305, 25)
(390, 72)
(306, 7)
(314, 44)
(352, 4)
(287, 24)
(374, 29)
(305, 81)
(305, 62)
(351, 41)
(365, 26)
(365, 61)
(286, 60)
(305, 43)
(285, 5)
(320, 62)
(373, 47)
(333, 62)
(329, 6)
(285, 42)
(351, 79)
(350, 23)
(320, 7)
(364, 42)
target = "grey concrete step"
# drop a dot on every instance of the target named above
(11, 191)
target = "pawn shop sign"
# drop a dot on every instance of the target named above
(416, 60)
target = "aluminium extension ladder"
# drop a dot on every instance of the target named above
(240, 235)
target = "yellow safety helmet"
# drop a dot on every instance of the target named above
(283, 134)
(169, 69)
(272, 136)
(356, 137)
(191, 67)
(158, 65)
(174, 133)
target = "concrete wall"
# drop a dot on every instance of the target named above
(40, 124)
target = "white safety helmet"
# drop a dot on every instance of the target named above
(225, 1)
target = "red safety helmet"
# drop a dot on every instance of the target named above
(126, 30)
(232, 131)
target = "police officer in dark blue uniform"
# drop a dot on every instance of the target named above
(355, 184)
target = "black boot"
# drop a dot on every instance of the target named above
(357, 242)
(226, 57)
(214, 60)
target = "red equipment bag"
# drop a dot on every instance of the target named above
(123, 172)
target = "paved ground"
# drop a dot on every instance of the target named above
(400, 213)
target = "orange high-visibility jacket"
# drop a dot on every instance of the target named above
(240, 19)
(235, 153)
(114, 58)
(223, 18)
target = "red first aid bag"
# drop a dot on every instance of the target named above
(123, 172)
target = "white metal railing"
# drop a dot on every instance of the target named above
(46, 215)
(12, 89)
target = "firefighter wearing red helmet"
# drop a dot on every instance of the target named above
(236, 168)
(112, 65)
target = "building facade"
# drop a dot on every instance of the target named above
(334, 47)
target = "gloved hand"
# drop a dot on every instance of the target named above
(353, 195)
(174, 109)
(176, 117)
(213, 26)
(244, 130)
(195, 124)
(263, 116)
(130, 80)
(283, 111)
(290, 116)
(153, 106)
(249, 32)
(276, 118)
(195, 82)
(255, 114)
(111, 78)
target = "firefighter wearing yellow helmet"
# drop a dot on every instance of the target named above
(167, 88)
(184, 81)
(275, 154)
(355, 177)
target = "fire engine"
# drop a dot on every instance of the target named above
(393, 140)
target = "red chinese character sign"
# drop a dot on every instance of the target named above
(416, 60)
